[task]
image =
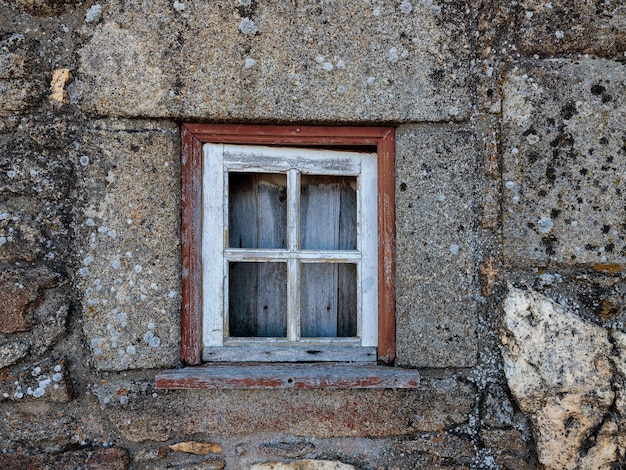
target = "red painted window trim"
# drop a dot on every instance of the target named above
(195, 135)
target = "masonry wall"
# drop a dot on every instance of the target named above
(510, 220)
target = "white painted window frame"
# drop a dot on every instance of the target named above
(218, 160)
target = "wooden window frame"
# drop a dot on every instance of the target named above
(294, 256)
(193, 138)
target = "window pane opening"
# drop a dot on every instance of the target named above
(257, 210)
(328, 212)
(257, 299)
(328, 301)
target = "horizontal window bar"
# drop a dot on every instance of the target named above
(335, 256)
(305, 353)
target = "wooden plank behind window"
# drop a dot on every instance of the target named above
(257, 298)
(328, 213)
(257, 213)
(328, 221)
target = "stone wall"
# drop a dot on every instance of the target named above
(510, 249)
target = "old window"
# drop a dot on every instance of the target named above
(291, 266)
(288, 250)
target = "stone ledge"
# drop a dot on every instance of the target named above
(297, 376)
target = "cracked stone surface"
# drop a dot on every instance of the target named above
(558, 369)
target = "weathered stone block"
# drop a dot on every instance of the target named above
(164, 458)
(46, 381)
(140, 413)
(443, 445)
(12, 352)
(213, 464)
(19, 289)
(564, 163)
(98, 459)
(510, 449)
(558, 370)
(561, 27)
(619, 339)
(286, 449)
(556, 27)
(597, 297)
(497, 409)
(305, 464)
(36, 171)
(129, 252)
(22, 84)
(437, 218)
(21, 234)
(343, 61)
(39, 427)
(35, 194)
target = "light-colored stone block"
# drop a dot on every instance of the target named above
(129, 272)
(558, 369)
(279, 61)
(437, 215)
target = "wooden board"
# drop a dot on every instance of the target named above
(302, 353)
(257, 299)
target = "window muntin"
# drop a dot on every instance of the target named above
(319, 230)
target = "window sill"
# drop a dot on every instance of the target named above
(248, 376)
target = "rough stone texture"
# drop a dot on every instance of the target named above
(20, 231)
(36, 199)
(71, 177)
(564, 160)
(130, 272)
(597, 297)
(286, 449)
(498, 410)
(46, 317)
(306, 464)
(19, 290)
(336, 61)
(186, 464)
(12, 352)
(358, 451)
(619, 340)
(510, 449)
(551, 28)
(437, 203)
(39, 427)
(446, 447)
(557, 367)
(46, 381)
(97, 459)
(22, 83)
(140, 416)
(33, 318)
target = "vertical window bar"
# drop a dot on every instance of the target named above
(293, 265)
(226, 330)
(213, 243)
(368, 246)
